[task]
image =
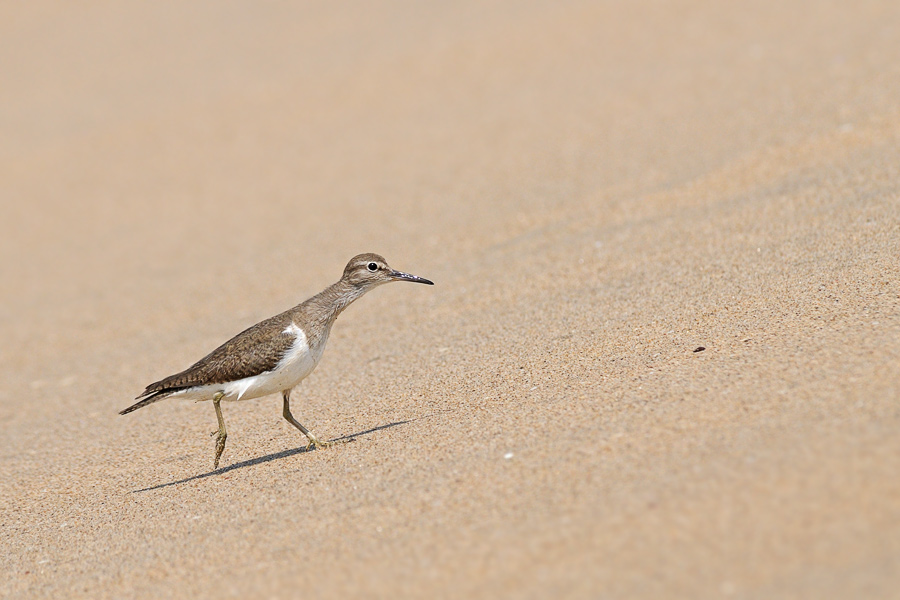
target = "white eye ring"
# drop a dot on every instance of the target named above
(372, 266)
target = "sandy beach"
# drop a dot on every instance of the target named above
(661, 358)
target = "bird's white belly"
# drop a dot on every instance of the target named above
(298, 362)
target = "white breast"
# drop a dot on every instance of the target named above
(299, 361)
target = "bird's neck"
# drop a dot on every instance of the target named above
(332, 301)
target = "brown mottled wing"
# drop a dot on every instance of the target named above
(251, 352)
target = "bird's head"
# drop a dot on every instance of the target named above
(370, 270)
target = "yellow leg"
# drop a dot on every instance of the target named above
(313, 442)
(222, 434)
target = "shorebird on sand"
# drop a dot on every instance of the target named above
(274, 355)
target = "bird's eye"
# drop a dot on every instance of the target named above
(372, 267)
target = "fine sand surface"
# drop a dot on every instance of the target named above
(598, 189)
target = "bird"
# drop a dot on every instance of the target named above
(276, 354)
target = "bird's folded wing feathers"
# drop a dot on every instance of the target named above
(251, 352)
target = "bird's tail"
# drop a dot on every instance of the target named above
(155, 396)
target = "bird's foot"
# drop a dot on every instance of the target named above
(220, 447)
(315, 443)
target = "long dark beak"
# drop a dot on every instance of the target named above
(400, 276)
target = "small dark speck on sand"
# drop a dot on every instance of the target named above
(699, 348)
